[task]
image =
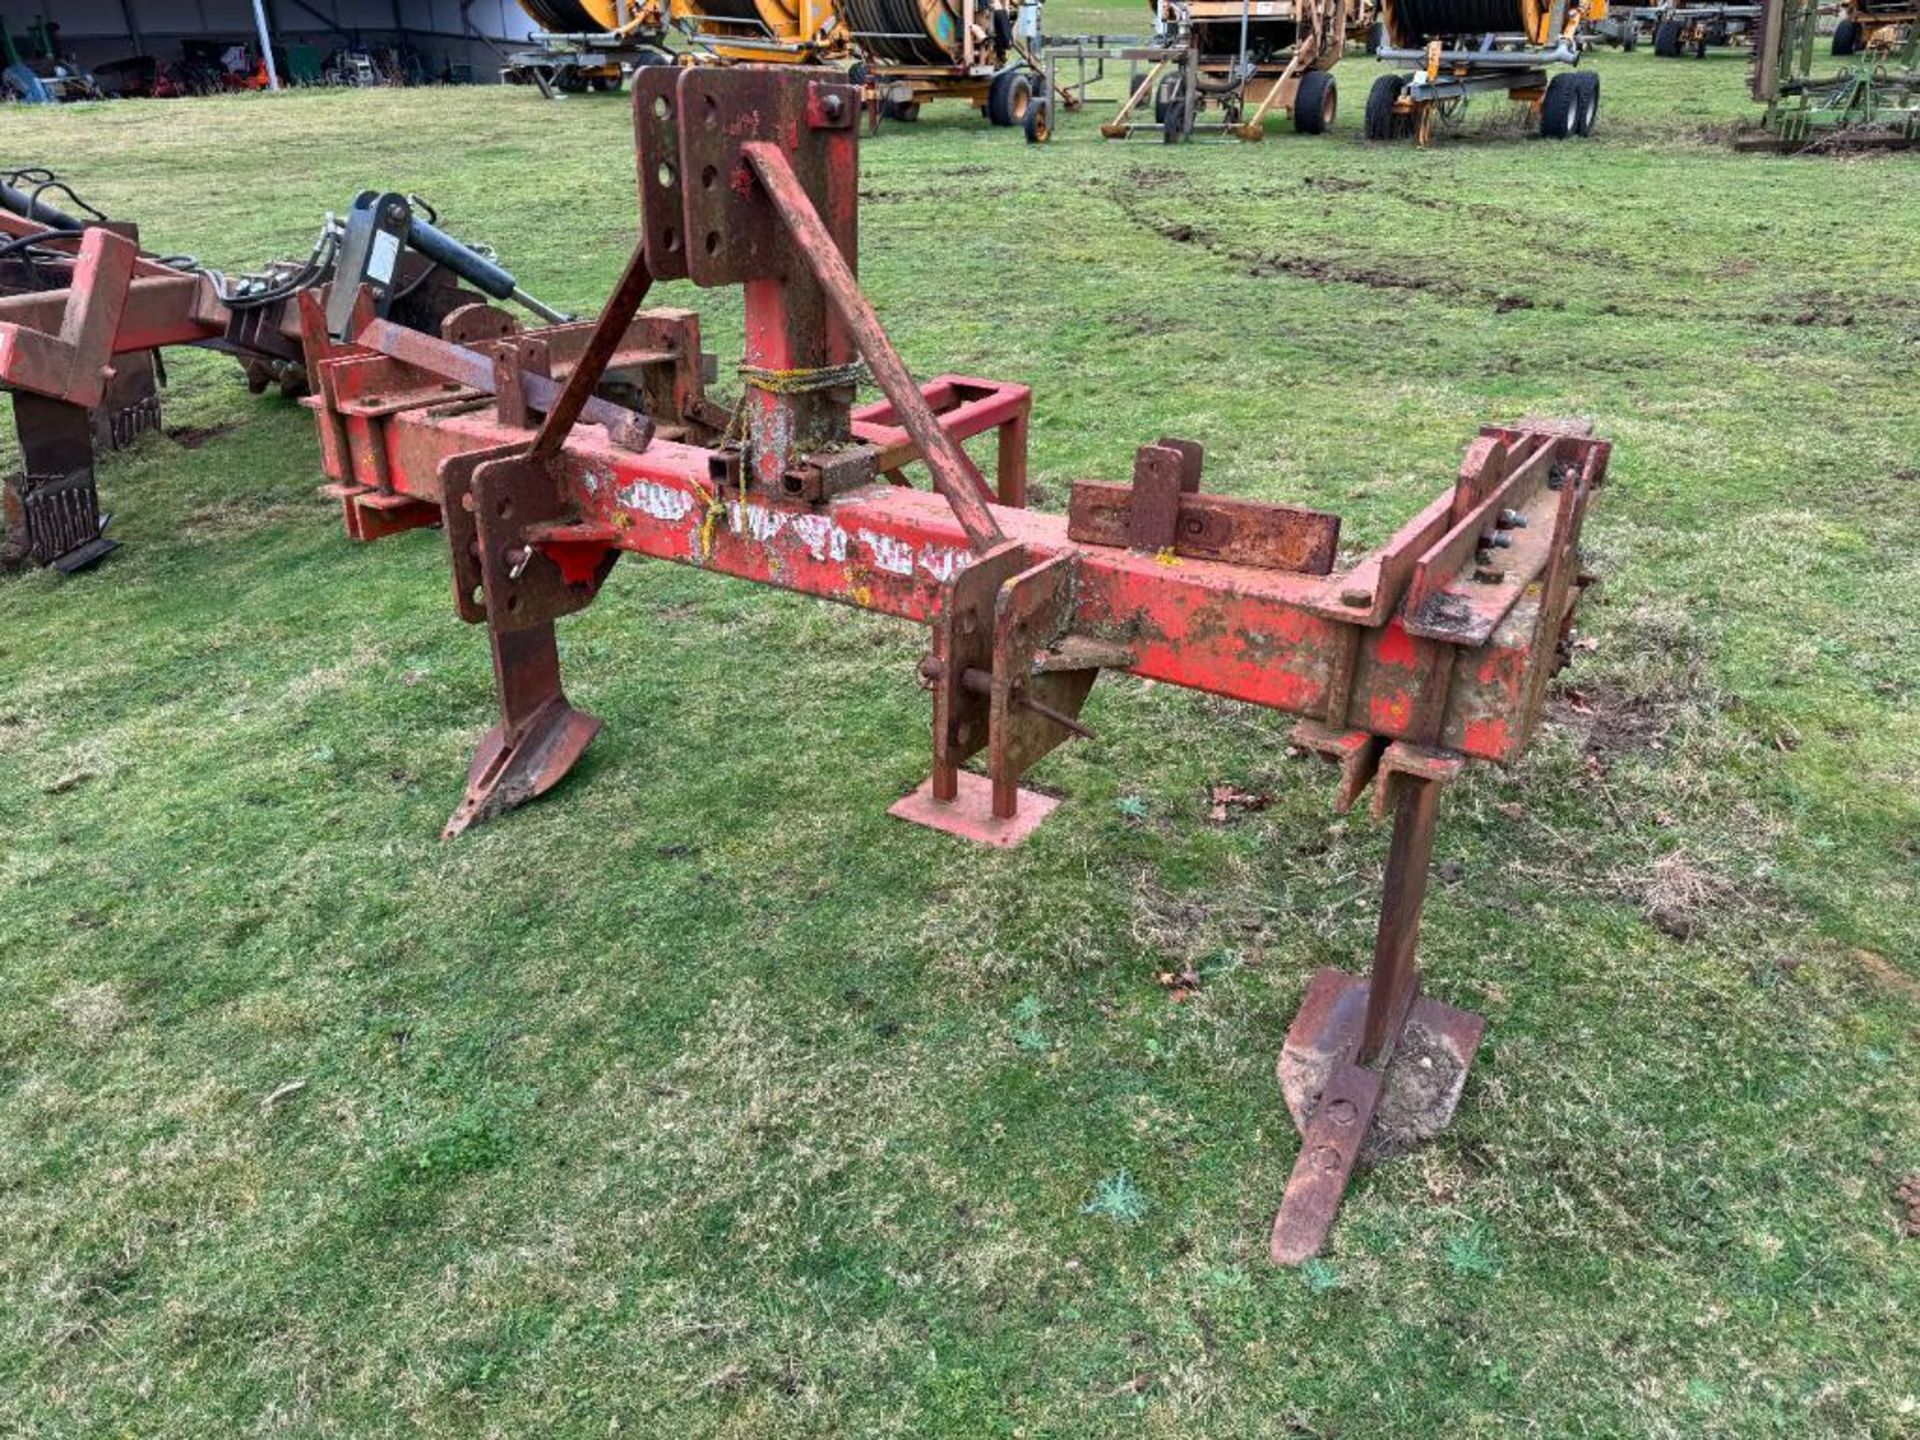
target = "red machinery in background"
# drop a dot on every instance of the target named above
(84, 313)
(1430, 650)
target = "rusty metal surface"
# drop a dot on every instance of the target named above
(1393, 1108)
(954, 475)
(85, 327)
(968, 814)
(1329, 1151)
(476, 369)
(614, 319)
(1204, 527)
(1030, 711)
(1248, 633)
(538, 738)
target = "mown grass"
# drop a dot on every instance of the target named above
(703, 1099)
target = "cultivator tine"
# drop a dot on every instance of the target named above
(539, 735)
(1339, 1060)
(1329, 1150)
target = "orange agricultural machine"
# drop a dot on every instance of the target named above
(546, 454)
(1222, 66)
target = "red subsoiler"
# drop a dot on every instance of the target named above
(546, 453)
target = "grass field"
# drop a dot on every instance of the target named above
(702, 1099)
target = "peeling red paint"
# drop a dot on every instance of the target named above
(1396, 646)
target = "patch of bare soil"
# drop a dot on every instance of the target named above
(1886, 975)
(1180, 931)
(1907, 1193)
(192, 437)
(1681, 893)
(1261, 264)
(1422, 1090)
(1613, 720)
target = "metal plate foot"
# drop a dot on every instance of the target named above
(970, 814)
(1349, 1114)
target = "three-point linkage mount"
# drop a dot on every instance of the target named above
(547, 453)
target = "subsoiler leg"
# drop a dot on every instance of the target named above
(1331, 1143)
(539, 735)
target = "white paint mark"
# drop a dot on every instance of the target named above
(824, 539)
(942, 561)
(891, 554)
(662, 502)
(761, 523)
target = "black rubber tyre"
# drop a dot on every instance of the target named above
(1163, 94)
(1588, 114)
(1316, 103)
(906, 112)
(1630, 39)
(1173, 123)
(1700, 48)
(1009, 98)
(1560, 110)
(1846, 37)
(1039, 122)
(1381, 123)
(1666, 38)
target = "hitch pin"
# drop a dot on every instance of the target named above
(518, 560)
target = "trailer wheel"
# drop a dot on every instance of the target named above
(1846, 37)
(1629, 38)
(1163, 95)
(1666, 39)
(1589, 109)
(1560, 110)
(1315, 103)
(1009, 98)
(1381, 122)
(904, 111)
(1039, 122)
(1173, 122)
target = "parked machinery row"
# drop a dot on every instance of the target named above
(1457, 49)
(1222, 66)
(903, 53)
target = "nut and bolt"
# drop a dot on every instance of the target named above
(1512, 520)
